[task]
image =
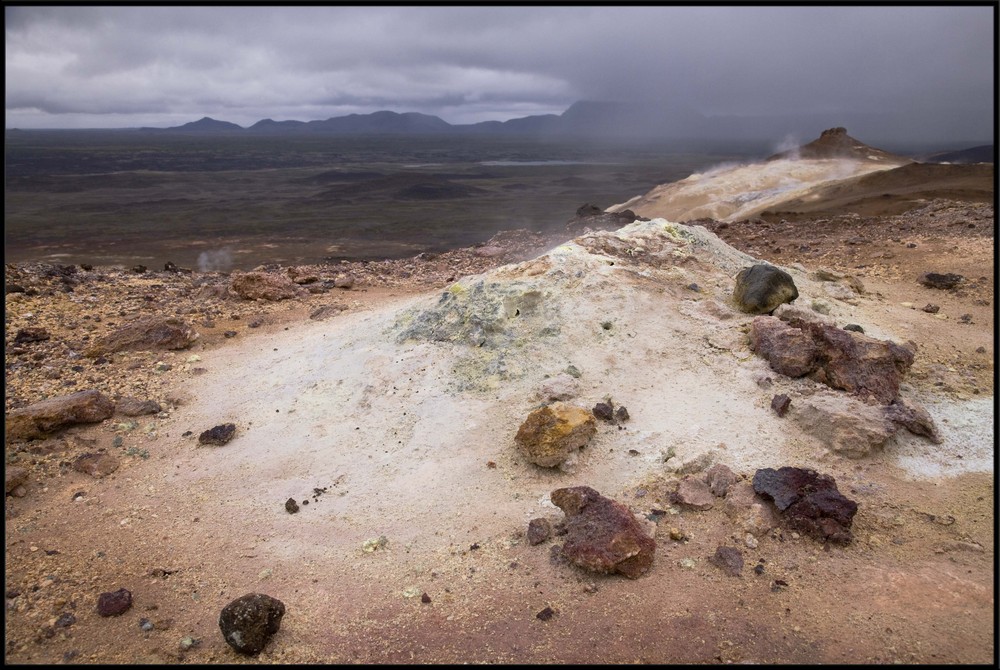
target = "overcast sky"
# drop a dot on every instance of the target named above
(106, 67)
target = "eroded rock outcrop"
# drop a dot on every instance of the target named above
(150, 333)
(264, 286)
(841, 359)
(602, 534)
(47, 416)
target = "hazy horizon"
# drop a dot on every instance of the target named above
(930, 68)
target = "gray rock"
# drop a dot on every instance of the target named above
(761, 288)
(719, 478)
(135, 407)
(249, 622)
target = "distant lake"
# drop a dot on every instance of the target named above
(127, 197)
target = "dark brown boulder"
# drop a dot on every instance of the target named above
(26, 335)
(249, 622)
(134, 407)
(47, 416)
(761, 288)
(728, 559)
(602, 534)
(943, 281)
(218, 435)
(808, 502)
(593, 217)
(114, 603)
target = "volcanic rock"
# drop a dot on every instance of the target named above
(728, 559)
(551, 433)
(914, 418)
(760, 288)
(937, 280)
(602, 534)
(604, 412)
(134, 407)
(780, 404)
(839, 358)
(752, 512)
(790, 351)
(145, 334)
(719, 478)
(96, 465)
(218, 435)
(46, 416)
(808, 501)
(114, 603)
(539, 530)
(26, 335)
(693, 493)
(264, 286)
(249, 622)
(592, 216)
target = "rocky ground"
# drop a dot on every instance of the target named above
(889, 606)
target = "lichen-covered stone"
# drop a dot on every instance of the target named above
(551, 433)
(760, 288)
(47, 416)
(250, 621)
(602, 534)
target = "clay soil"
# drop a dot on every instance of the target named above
(916, 585)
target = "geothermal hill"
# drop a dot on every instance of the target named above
(735, 192)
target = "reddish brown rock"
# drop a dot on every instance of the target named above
(539, 530)
(808, 501)
(780, 403)
(114, 603)
(551, 433)
(839, 358)
(790, 351)
(602, 534)
(264, 286)
(146, 334)
(859, 364)
(96, 465)
(728, 559)
(47, 416)
(693, 493)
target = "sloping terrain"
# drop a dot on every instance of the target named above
(397, 422)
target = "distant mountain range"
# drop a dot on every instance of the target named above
(584, 119)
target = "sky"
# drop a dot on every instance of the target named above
(110, 67)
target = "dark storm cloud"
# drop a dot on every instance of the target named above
(120, 66)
